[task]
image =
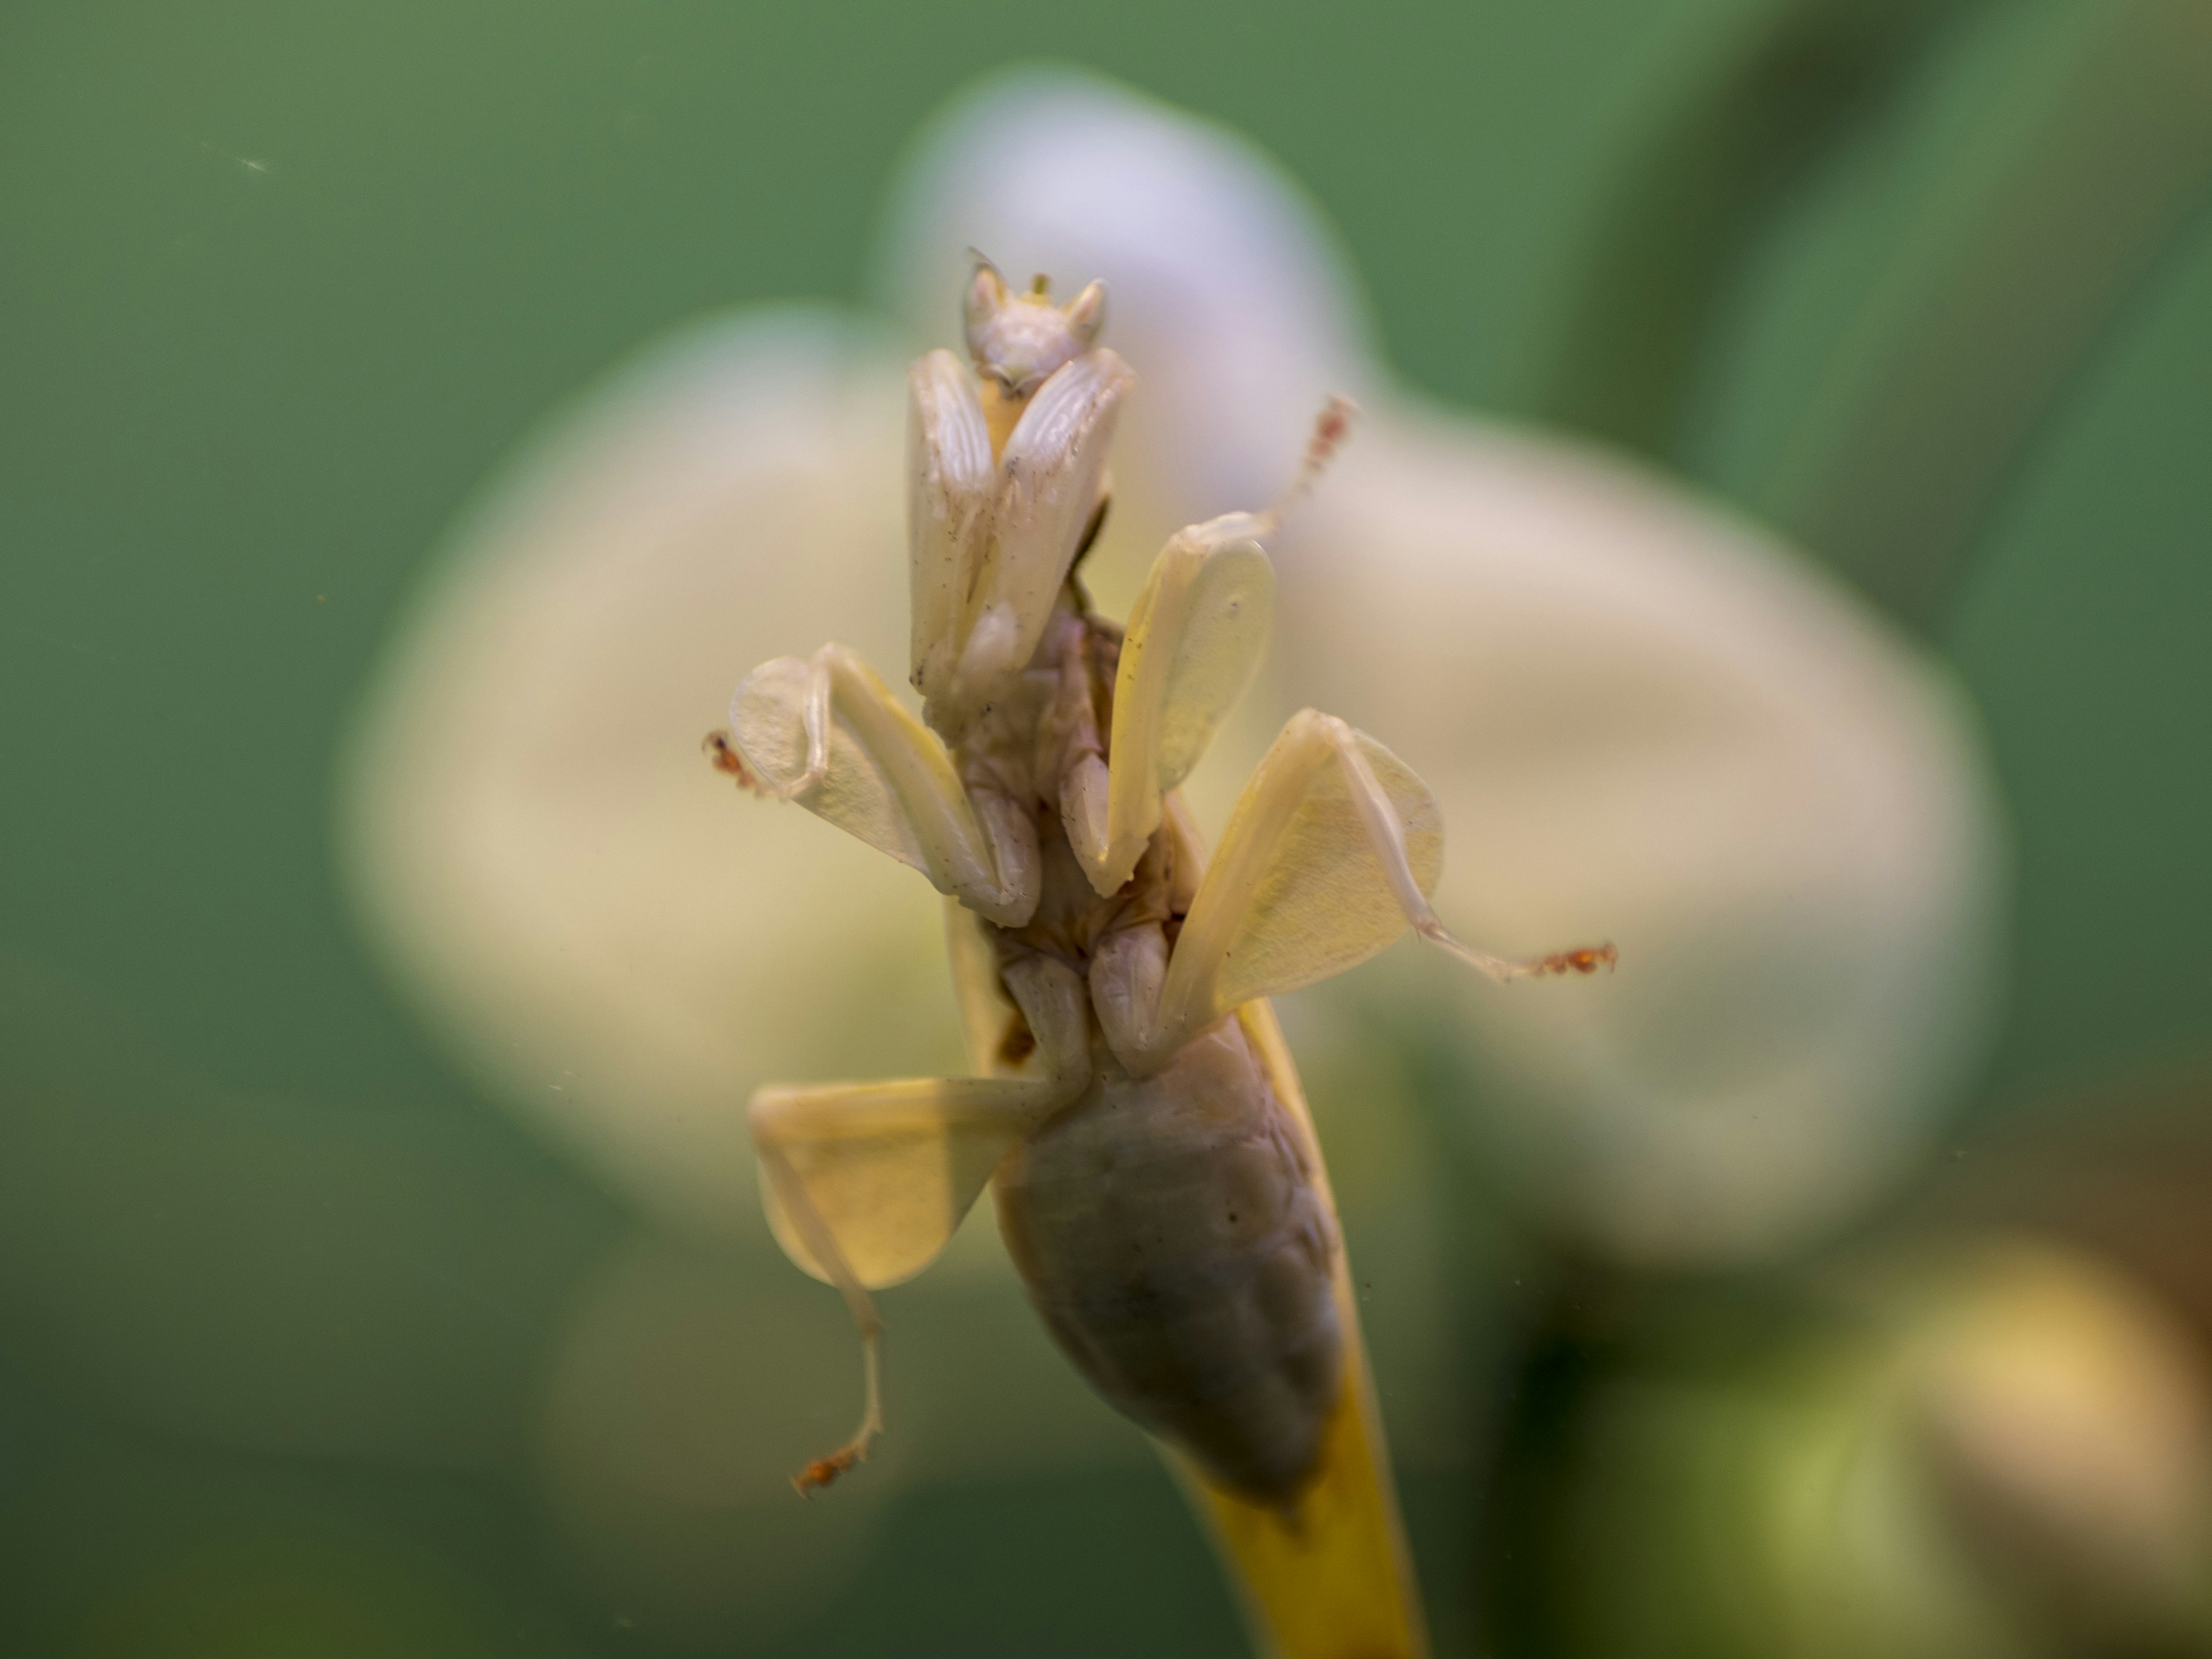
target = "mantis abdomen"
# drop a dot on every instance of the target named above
(1169, 1230)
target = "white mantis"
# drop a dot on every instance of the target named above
(1156, 1177)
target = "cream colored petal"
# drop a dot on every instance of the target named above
(610, 935)
(1647, 722)
(1225, 293)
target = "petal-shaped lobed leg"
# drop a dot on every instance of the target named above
(1193, 642)
(866, 1183)
(825, 732)
(1329, 856)
(1386, 833)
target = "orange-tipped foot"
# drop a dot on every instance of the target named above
(1587, 960)
(823, 1470)
(1330, 429)
(722, 755)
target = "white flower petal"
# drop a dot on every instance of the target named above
(1647, 722)
(609, 932)
(1644, 720)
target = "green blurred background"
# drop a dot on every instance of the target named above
(1928, 286)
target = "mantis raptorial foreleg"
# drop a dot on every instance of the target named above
(866, 1183)
(1329, 856)
(991, 540)
(824, 732)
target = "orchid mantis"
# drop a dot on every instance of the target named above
(1156, 1177)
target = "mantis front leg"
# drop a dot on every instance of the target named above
(866, 1183)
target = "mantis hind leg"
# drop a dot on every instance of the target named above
(782, 1180)
(1386, 836)
(1329, 856)
(866, 1183)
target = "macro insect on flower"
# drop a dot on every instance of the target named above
(1156, 1177)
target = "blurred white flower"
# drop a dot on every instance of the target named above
(1644, 720)
(617, 941)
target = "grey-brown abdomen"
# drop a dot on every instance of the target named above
(1169, 1234)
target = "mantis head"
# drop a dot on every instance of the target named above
(1007, 474)
(1017, 340)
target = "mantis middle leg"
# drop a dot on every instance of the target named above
(824, 732)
